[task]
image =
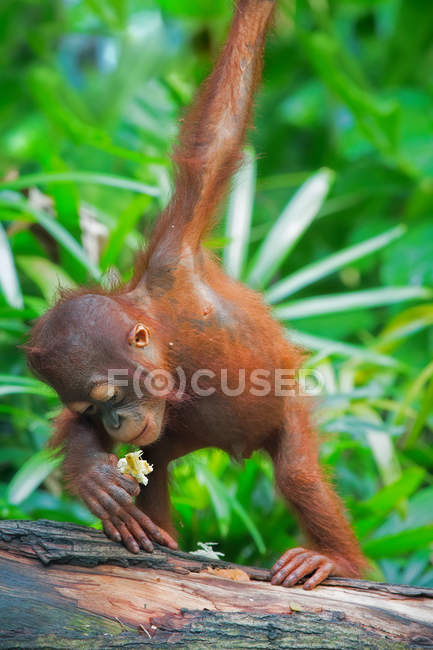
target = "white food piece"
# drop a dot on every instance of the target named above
(135, 466)
(207, 551)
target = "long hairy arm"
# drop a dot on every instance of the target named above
(91, 473)
(211, 136)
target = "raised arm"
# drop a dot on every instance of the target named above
(211, 136)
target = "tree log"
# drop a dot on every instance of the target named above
(68, 586)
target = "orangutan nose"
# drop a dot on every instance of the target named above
(112, 420)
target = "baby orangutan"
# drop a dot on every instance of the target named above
(101, 350)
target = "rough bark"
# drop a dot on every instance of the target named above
(67, 586)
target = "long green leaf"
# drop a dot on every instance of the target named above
(125, 225)
(323, 268)
(349, 301)
(10, 384)
(381, 503)
(90, 178)
(56, 230)
(389, 496)
(224, 502)
(291, 224)
(384, 453)
(19, 381)
(238, 220)
(218, 497)
(9, 282)
(400, 543)
(407, 323)
(421, 418)
(31, 475)
(415, 389)
(25, 390)
(249, 525)
(338, 349)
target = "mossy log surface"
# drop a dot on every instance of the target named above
(67, 586)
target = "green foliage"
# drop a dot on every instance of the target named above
(331, 221)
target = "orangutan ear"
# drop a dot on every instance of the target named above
(139, 336)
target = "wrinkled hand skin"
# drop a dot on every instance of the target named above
(297, 563)
(109, 496)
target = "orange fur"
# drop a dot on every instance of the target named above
(198, 318)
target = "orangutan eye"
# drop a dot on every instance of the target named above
(90, 410)
(82, 408)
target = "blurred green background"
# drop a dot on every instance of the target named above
(331, 217)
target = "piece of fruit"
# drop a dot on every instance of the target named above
(135, 466)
